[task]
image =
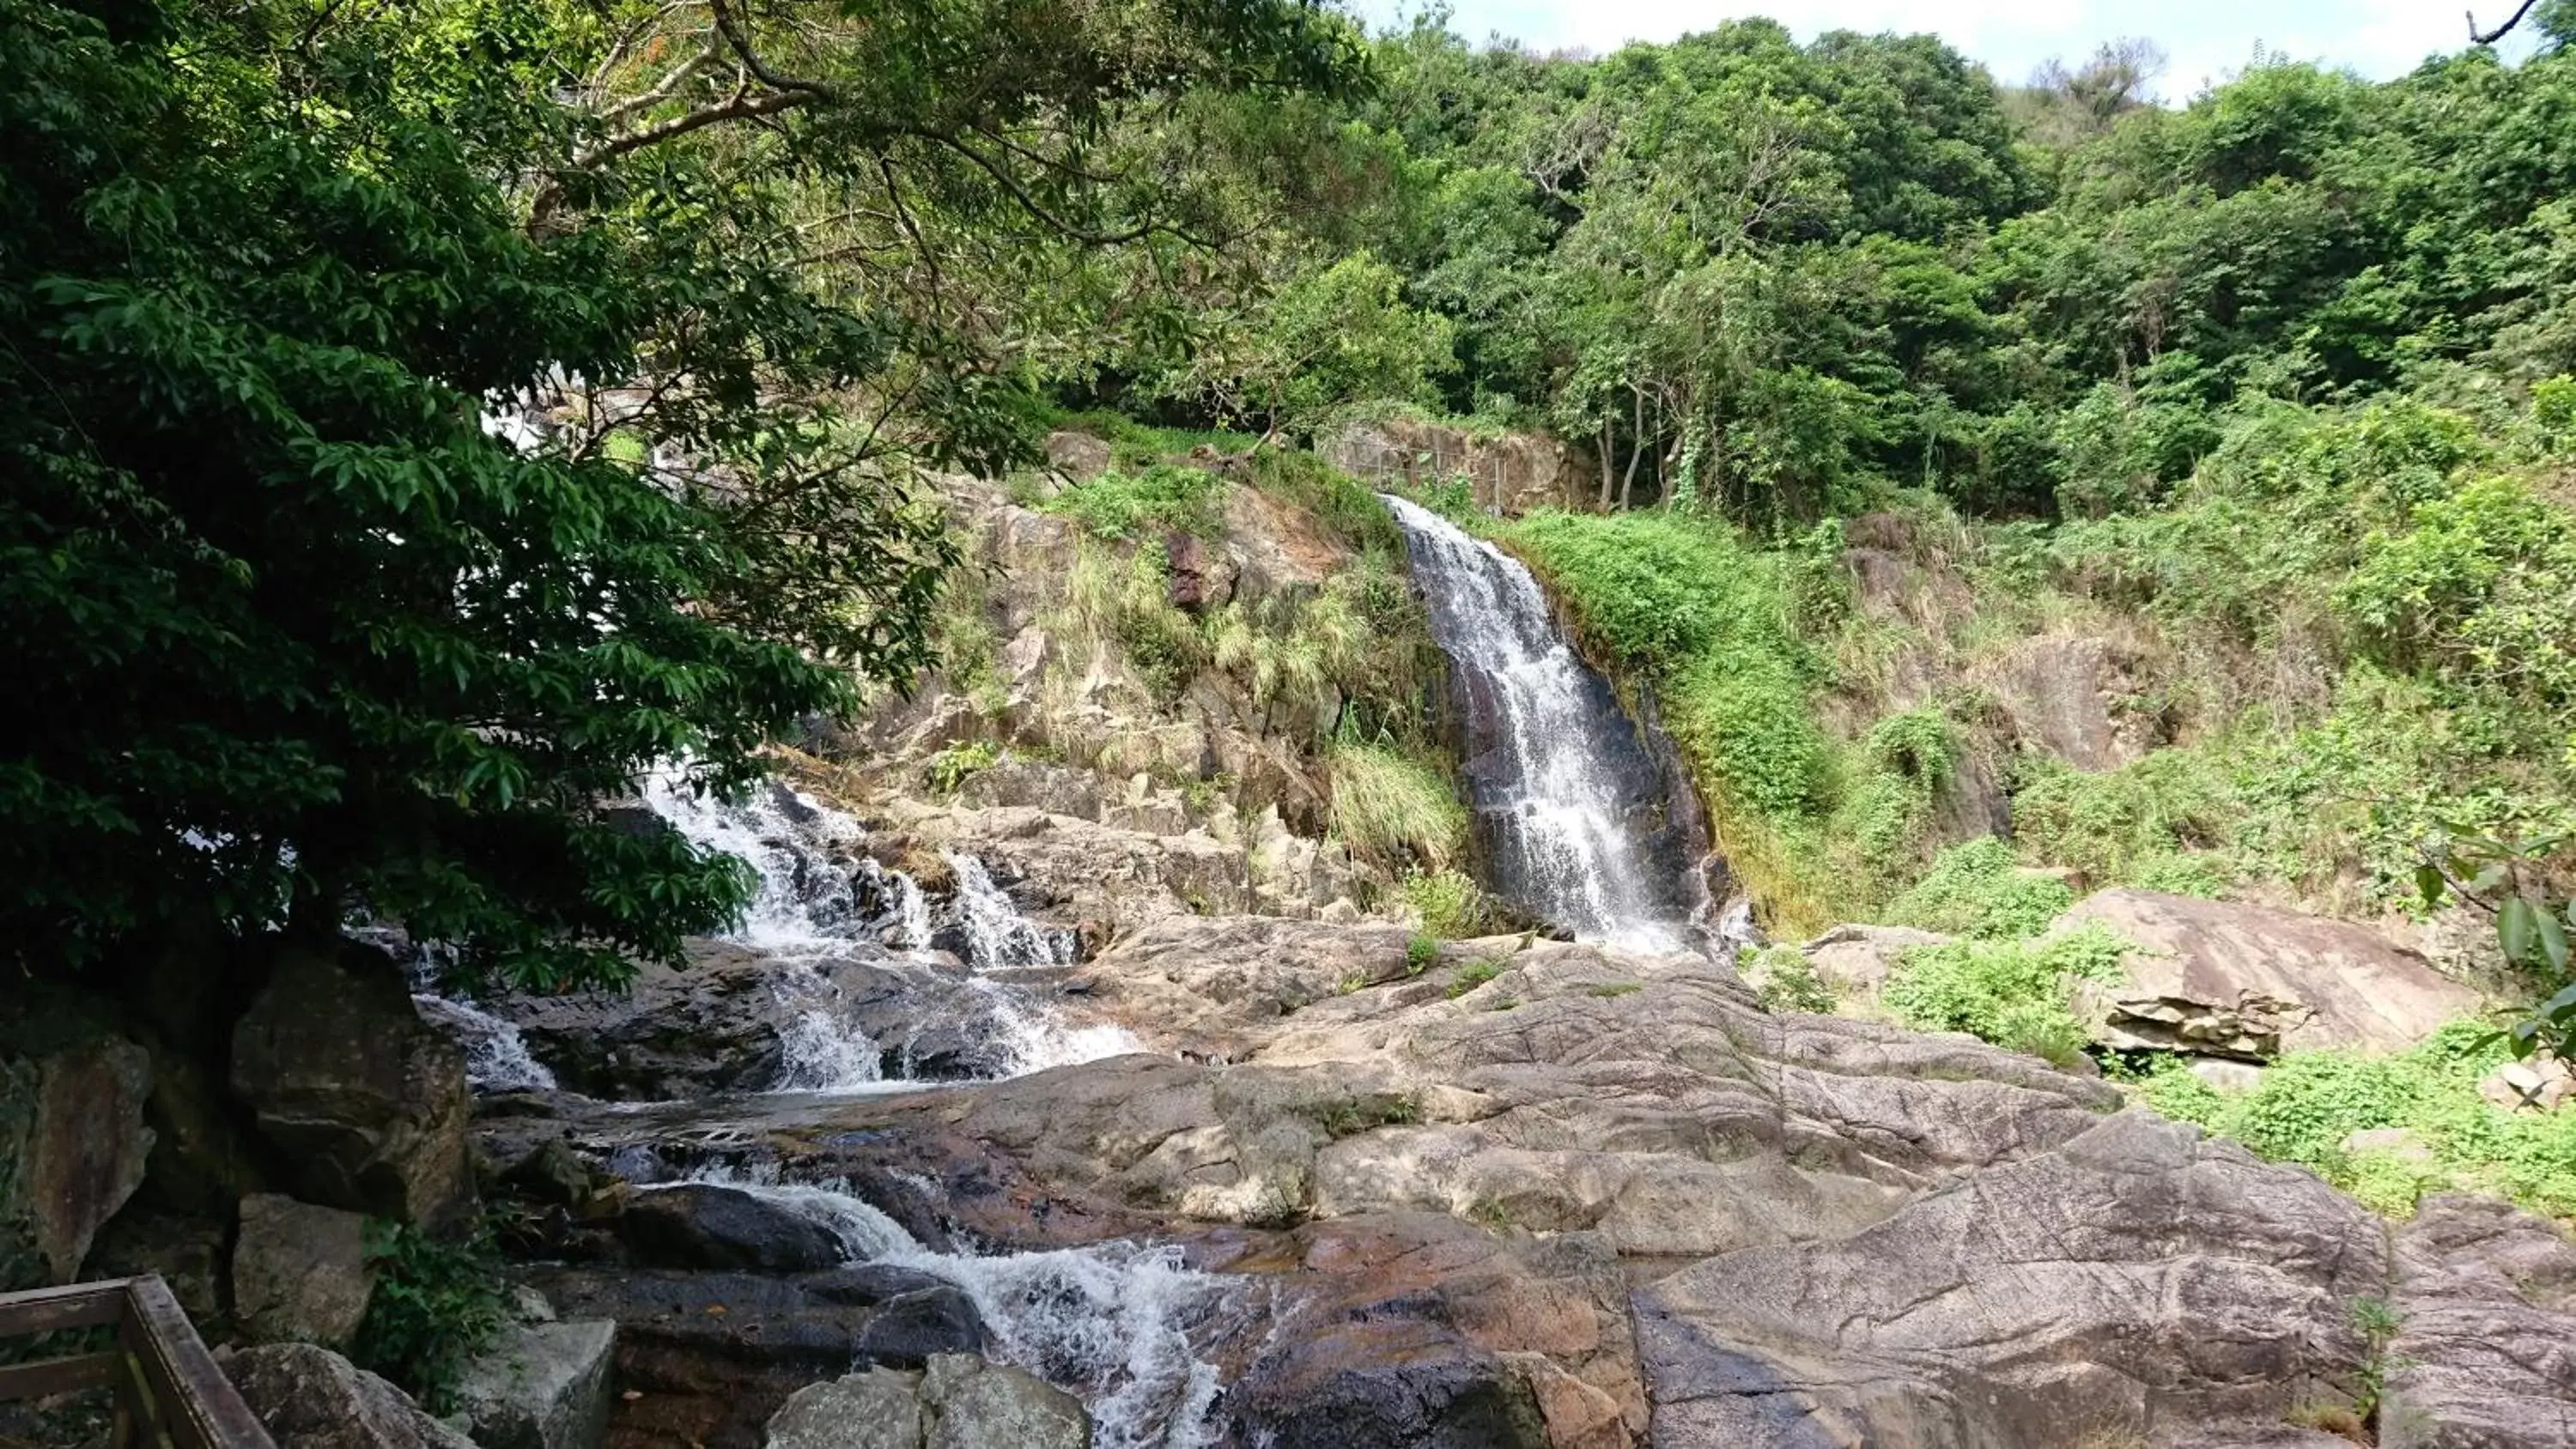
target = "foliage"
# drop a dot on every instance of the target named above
(2012, 993)
(2309, 1103)
(435, 1304)
(1978, 889)
(1452, 906)
(952, 766)
(1394, 807)
(1785, 980)
(1163, 498)
(1474, 974)
(1421, 952)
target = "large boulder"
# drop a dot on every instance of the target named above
(970, 1403)
(2137, 1276)
(1855, 961)
(299, 1272)
(311, 1398)
(364, 1103)
(878, 1409)
(959, 1402)
(72, 1148)
(541, 1386)
(699, 1225)
(2485, 1349)
(2228, 979)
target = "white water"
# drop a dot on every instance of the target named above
(496, 1058)
(1111, 1322)
(808, 908)
(1562, 807)
(996, 933)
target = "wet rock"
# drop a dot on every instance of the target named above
(912, 1327)
(699, 1225)
(2245, 980)
(311, 1398)
(878, 1409)
(711, 1356)
(363, 1101)
(72, 1149)
(541, 1386)
(300, 1273)
(2137, 1275)
(2486, 1310)
(721, 1023)
(968, 1403)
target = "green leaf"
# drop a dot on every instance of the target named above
(2517, 925)
(2430, 884)
(2553, 941)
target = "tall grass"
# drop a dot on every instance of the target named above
(1392, 807)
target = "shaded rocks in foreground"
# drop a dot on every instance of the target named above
(311, 1398)
(541, 1386)
(957, 1402)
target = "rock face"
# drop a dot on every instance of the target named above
(2075, 696)
(2135, 1274)
(311, 1398)
(72, 1150)
(1513, 474)
(363, 1101)
(2248, 981)
(2486, 1308)
(299, 1272)
(541, 1386)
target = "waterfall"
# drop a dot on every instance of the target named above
(996, 933)
(1562, 785)
(1111, 1322)
(807, 903)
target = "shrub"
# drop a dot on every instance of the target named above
(2015, 994)
(1163, 497)
(1473, 975)
(2309, 1103)
(435, 1305)
(953, 766)
(1978, 889)
(1785, 980)
(1451, 904)
(1393, 807)
(1421, 953)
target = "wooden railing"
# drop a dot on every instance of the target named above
(169, 1392)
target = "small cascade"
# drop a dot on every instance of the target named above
(807, 902)
(902, 910)
(1032, 1039)
(997, 935)
(1562, 784)
(496, 1058)
(1113, 1322)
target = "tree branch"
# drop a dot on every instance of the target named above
(2501, 31)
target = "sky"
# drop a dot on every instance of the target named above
(2205, 39)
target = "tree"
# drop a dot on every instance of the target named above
(312, 637)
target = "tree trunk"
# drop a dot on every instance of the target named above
(1605, 462)
(1628, 484)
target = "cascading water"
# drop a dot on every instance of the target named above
(1112, 1322)
(818, 899)
(997, 934)
(496, 1058)
(1561, 782)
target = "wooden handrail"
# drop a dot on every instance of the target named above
(169, 1392)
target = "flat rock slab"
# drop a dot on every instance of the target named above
(541, 1386)
(2219, 975)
